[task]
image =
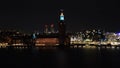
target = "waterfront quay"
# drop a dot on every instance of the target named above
(16, 39)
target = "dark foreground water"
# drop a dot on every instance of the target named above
(60, 58)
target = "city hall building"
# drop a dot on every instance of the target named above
(51, 38)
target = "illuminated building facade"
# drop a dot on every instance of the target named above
(14, 38)
(47, 40)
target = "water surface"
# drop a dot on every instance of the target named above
(61, 58)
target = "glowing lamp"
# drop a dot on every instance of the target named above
(118, 34)
(61, 17)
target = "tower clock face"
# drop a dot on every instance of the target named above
(61, 17)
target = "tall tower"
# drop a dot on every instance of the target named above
(52, 28)
(62, 29)
(46, 29)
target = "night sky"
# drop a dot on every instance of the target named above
(32, 15)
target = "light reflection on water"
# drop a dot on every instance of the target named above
(54, 57)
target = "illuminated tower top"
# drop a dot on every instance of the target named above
(61, 15)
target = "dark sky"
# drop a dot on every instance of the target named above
(79, 15)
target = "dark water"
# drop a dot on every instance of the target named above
(60, 58)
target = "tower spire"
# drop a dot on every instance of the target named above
(61, 15)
